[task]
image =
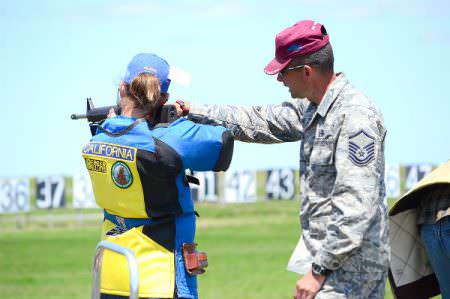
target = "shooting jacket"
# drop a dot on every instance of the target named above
(139, 180)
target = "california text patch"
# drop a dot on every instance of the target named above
(110, 151)
(361, 148)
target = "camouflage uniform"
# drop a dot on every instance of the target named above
(341, 284)
(343, 212)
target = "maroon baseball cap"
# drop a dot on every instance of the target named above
(302, 38)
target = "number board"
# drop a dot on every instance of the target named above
(83, 195)
(414, 173)
(208, 188)
(14, 195)
(50, 192)
(392, 180)
(240, 186)
(280, 184)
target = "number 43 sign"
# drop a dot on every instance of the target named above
(280, 184)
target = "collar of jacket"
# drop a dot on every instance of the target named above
(332, 93)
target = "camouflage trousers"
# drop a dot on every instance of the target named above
(350, 285)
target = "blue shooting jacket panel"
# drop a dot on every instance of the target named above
(199, 148)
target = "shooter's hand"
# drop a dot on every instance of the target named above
(111, 113)
(182, 108)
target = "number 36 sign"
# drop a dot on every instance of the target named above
(14, 195)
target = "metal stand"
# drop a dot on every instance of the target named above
(97, 269)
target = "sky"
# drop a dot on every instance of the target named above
(55, 54)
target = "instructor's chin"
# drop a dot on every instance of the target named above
(293, 95)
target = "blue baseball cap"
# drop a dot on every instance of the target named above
(148, 63)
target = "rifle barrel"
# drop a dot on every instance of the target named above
(78, 116)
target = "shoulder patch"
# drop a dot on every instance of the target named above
(361, 148)
(121, 175)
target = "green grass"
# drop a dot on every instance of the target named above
(248, 248)
(248, 251)
(46, 264)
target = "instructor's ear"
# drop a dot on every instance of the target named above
(308, 70)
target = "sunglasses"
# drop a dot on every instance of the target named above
(291, 68)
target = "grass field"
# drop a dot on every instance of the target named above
(248, 248)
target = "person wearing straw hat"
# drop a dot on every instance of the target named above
(420, 238)
(343, 213)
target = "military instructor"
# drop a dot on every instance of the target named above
(343, 211)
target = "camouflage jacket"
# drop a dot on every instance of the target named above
(343, 212)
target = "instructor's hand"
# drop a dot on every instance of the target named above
(182, 108)
(308, 286)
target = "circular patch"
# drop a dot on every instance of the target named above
(121, 175)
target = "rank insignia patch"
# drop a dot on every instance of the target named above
(361, 148)
(121, 175)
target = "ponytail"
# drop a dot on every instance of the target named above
(145, 92)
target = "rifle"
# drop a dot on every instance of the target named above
(95, 116)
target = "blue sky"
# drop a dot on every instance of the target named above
(54, 54)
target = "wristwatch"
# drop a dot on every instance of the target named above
(320, 270)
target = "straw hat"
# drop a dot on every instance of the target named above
(410, 199)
